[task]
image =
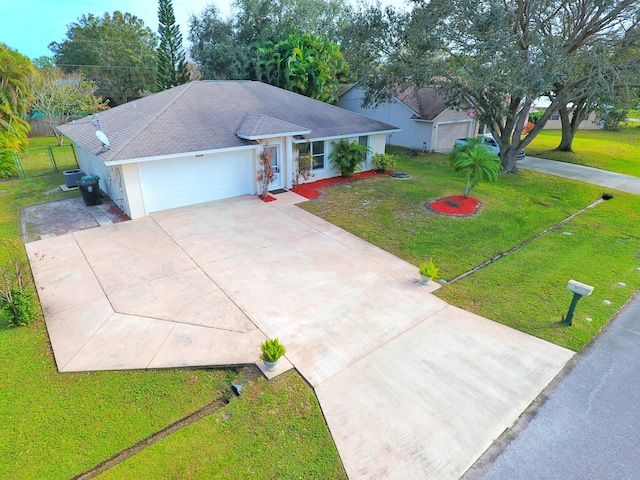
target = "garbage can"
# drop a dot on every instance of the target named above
(90, 192)
(71, 177)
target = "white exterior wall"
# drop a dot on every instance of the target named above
(589, 123)
(90, 164)
(132, 201)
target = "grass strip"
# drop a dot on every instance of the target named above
(608, 150)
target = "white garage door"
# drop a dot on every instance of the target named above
(187, 181)
(448, 133)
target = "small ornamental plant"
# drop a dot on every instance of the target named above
(430, 270)
(272, 350)
(384, 161)
(265, 172)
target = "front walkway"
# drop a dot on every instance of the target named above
(595, 176)
(410, 386)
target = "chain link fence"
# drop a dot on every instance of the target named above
(37, 162)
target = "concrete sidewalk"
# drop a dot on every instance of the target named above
(595, 176)
(410, 386)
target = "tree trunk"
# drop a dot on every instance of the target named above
(570, 125)
(508, 158)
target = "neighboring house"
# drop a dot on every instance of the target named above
(590, 122)
(426, 124)
(200, 142)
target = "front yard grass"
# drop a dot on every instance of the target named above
(614, 151)
(526, 290)
(56, 425)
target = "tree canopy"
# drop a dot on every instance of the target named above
(305, 64)
(17, 75)
(499, 57)
(226, 48)
(172, 65)
(116, 51)
(59, 96)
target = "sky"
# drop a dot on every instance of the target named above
(30, 25)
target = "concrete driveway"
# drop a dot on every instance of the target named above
(411, 387)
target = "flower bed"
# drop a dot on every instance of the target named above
(310, 190)
(456, 205)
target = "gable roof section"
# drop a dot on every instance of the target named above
(426, 102)
(208, 115)
(257, 126)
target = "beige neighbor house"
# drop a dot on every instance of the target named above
(425, 123)
(201, 141)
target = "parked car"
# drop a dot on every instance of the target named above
(490, 142)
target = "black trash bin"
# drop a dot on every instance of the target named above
(90, 192)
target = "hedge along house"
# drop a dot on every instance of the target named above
(426, 123)
(201, 142)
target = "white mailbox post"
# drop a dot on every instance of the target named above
(579, 290)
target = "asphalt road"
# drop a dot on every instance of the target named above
(586, 424)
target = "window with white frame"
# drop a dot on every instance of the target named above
(364, 140)
(317, 152)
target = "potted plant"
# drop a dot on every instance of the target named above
(429, 271)
(272, 350)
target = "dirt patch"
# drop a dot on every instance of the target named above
(66, 216)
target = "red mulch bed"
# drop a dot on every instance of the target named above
(310, 190)
(269, 198)
(456, 205)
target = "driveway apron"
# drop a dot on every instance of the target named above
(410, 386)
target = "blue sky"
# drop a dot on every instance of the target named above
(30, 25)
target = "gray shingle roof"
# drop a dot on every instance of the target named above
(427, 102)
(262, 126)
(208, 115)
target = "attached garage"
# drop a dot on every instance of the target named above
(446, 134)
(172, 183)
(201, 142)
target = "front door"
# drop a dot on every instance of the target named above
(276, 165)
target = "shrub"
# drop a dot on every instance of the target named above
(303, 167)
(348, 157)
(20, 307)
(272, 350)
(265, 171)
(384, 161)
(17, 299)
(7, 165)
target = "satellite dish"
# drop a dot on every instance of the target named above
(102, 137)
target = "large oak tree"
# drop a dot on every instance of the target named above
(499, 56)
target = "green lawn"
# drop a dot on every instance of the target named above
(526, 290)
(613, 151)
(56, 425)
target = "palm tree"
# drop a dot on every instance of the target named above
(16, 76)
(478, 161)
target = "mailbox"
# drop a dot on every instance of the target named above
(580, 288)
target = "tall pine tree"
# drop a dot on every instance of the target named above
(172, 66)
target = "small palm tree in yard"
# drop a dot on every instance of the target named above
(478, 162)
(348, 156)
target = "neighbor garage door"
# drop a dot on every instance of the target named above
(448, 133)
(187, 181)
